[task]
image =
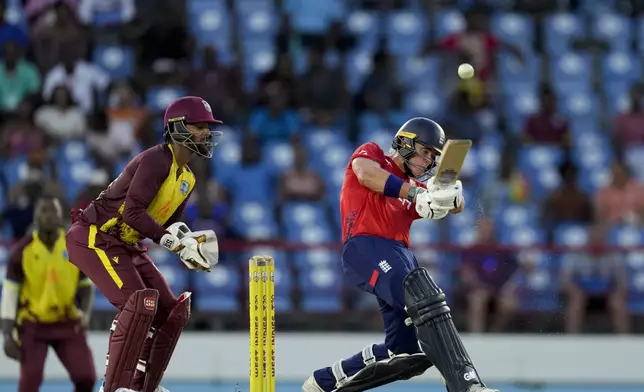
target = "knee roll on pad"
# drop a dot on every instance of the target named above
(376, 374)
(129, 333)
(424, 300)
(165, 340)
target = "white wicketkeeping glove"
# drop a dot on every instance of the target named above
(197, 250)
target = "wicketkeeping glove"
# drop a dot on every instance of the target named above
(197, 250)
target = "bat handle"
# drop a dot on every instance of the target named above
(201, 239)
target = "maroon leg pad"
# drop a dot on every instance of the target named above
(165, 340)
(132, 327)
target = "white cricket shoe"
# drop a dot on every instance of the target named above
(310, 385)
(479, 388)
(159, 389)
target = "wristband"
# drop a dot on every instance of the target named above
(393, 186)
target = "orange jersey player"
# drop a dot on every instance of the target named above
(381, 196)
(39, 308)
(146, 201)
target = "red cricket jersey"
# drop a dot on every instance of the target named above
(365, 212)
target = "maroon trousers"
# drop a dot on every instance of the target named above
(116, 270)
(70, 345)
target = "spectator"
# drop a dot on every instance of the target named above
(61, 118)
(461, 120)
(275, 121)
(628, 127)
(20, 136)
(112, 12)
(594, 280)
(323, 93)
(476, 45)
(220, 85)
(381, 90)
(24, 194)
(128, 118)
(9, 31)
(97, 183)
(84, 80)
(568, 204)
(64, 40)
(483, 272)
(19, 78)
(283, 75)
(109, 144)
(622, 201)
(547, 126)
(38, 11)
(301, 183)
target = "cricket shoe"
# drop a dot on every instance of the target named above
(310, 385)
(480, 388)
(159, 389)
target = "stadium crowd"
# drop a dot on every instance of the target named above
(553, 183)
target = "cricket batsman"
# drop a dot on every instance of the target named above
(146, 201)
(38, 308)
(381, 196)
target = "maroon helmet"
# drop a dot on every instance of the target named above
(190, 110)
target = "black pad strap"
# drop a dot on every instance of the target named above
(436, 332)
(399, 367)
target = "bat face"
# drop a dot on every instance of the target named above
(451, 161)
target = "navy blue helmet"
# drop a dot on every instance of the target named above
(423, 131)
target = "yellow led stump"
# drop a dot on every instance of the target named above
(261, 287)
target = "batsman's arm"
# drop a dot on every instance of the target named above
(151, 172)
(374, 177)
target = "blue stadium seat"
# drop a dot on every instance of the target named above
(283, 290)
(626, 236)
(314, 17)
(639, 39)
(101, 304)
(405, 33)
(259, 175)
(14, 170)
(635, 273)
(74, 177)
(311, 234)
(621, 68)
(72, 151)
(419, 72)
(332, 158)
(211, 25)
(424, 232)
(161, 255)
(571, 72)
(319, 139)
(514, 29)
(357, 67)
(117, 61)
(280, 257)
(176, 275)
(572, 235)
(617, 99)
(254, 218)
(261, 59)
(245, 6)
(538, 291)
(579, 105)
(447, 22)
(519, 105)
(423, 103)
(258, 22)
(512, 73)
(365, 27)
(316, 258)
(321, 290)
(382, 137)
(158, 98)
(300, 214)
(196, 7)
(278, 157)
(559, 30)
(521, 236)
(516, 216)
(593, 180)
(616, 30)
(218, 290)
(634, 157)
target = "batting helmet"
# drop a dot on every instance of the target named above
(419, 130)
(190, 110)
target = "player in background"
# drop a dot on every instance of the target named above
(39, 309)
(381, 196)
(146, 201)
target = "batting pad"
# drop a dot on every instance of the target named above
(165, 341)
(129, 335)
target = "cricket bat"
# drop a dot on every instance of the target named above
(451, 161)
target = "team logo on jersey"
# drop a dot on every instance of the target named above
(65, 255)
(184, 187)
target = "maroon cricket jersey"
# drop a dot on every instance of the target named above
(146, 197)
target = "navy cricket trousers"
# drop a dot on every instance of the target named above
(378, 266)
